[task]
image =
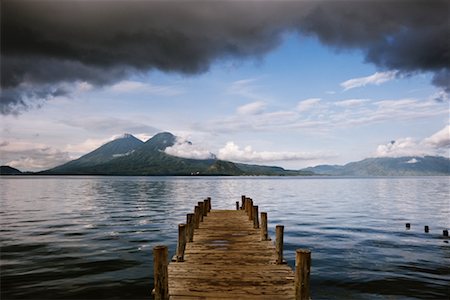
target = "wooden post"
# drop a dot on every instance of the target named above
(205, 207)
(196, 217)
(247, 202)
(237, 205)
(160, 273)
(426, 228)
(190, 227)
(445, 232)
(250, 210)
(243, 202)
(255, 217)
(279, 243)
(209, 204)
(408, 225)
(201, 208)
(181, 242)
(264, 233)
(302, 272)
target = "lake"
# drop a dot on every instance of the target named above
(92, 237)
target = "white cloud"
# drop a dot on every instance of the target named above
(351, 102)
(307, 104)
(436, 144)
(245, 88)
(128, 86)
(400, 147)
(185, 149)
(233, 152)
(412, 161)
(377, 79)
(440, 139)
(253, 108)
(27, 156)
(86, 146)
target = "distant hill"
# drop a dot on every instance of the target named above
(130, 156)
(388, 166)
(7, 170)
(120, 147)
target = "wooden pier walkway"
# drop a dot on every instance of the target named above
(224, 254)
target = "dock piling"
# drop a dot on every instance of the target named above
(250, 210)
(181, 242)
(201, 208)
(196, 217)
(279, 243)
(209, 203)
(302, 274)
(190, 227)
(205, 207)
(243, 202)
(264, 233)
(160, 273)
(255, 217)
(237, 205)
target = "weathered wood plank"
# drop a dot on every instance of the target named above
(228, 260)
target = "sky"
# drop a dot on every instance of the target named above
(286, 83)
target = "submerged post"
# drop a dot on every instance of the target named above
(264, 233)
(196, 217)
(160, 273)
(302, 272)
(279, 243)
(181, 242)
(190, 227)
(255, 217)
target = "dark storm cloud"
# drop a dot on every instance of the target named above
(48, 42)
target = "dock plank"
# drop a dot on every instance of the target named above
(228, 260)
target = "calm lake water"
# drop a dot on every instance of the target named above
(92, 237)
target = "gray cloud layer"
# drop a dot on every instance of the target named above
(44, 43)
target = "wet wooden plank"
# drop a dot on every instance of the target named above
(228, 260)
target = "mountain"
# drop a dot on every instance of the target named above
(130, 156)
(7, 170)
(388, 166)
(269, 170)
(120, 147)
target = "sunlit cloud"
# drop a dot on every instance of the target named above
(233, 152)
(129, 86)
(185, 149)
(307, 104)
(28, 156)
(253, 108)
(376, 79)
(436, 144)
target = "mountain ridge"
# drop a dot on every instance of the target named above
(129, 156)
(149, 158)
(388, 166)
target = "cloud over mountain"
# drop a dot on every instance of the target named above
(47, 43)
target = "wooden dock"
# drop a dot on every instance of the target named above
(224, 254)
